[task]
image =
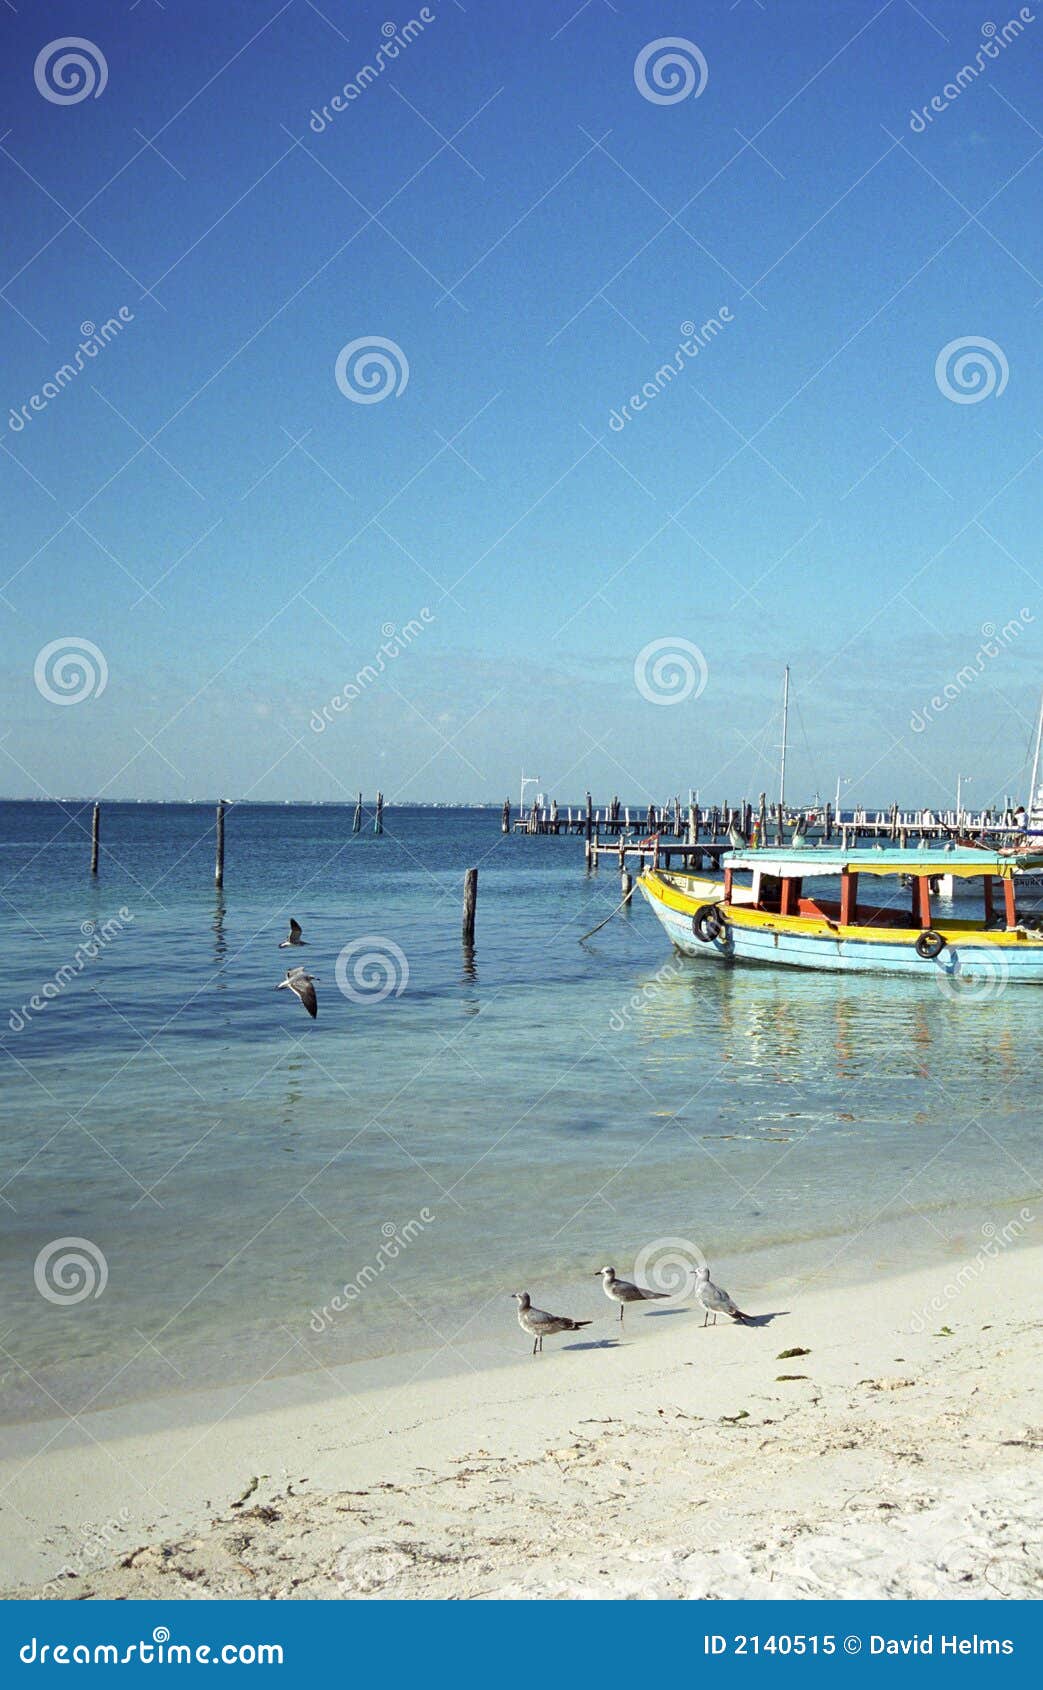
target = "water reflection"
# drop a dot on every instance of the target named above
(220, 939)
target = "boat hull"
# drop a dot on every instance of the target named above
(985, 959)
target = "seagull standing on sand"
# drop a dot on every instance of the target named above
(622, 1292)
(303, 986)
(293, 937)
(539, 1324)
(715, 1301)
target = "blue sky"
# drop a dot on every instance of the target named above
(234, 534)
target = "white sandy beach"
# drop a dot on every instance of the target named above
(892, 1462)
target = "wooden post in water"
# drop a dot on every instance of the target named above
(378, 819)
(589, 824)
(95, 837)
(505, 825)
(626, 885)
(470, 904)
(894, 822)
(762, 818)
(219, 859)
(693, 824)
(356, 826)
(827, 824)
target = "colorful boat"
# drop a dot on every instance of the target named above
(778, 907)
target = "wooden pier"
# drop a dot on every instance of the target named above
(673, 835)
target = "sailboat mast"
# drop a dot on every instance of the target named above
(1035, 763)
(785, 733)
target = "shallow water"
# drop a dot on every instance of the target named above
(515, 1119)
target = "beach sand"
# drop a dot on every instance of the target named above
(901, 1456)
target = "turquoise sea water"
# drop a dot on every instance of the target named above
(509, 1120)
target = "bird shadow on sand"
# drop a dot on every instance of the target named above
(664, 1314)
(765, 1319)
(594, 1344)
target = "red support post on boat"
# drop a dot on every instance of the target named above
(1010, 902)
(848, 898)
(790, 896)
(922, 900)
(729, 875)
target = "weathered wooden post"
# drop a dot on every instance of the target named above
(589, 823)
(219, 859)
(470, 904)
(779, 837)
(95, 837)
(356, 826)
(693, 824)
(626, 885)
(827, 823)
(505, 825)
(378, 819)
(894, 822)
(762, 818)
(622, 854)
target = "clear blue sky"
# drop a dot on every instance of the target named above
(505, 205)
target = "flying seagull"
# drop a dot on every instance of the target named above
(304, 986)
(293, 937)
(715, 1301)
(622, 1292)
(539, 1324)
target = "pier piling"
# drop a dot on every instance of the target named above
(95, 837)
(356, 826)
(378, 819)
(470, 904)
(219, 857)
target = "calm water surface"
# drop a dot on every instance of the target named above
(516, 1119)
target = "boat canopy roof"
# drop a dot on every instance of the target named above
(964, 861)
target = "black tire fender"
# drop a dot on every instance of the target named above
(708, 923)
(930, 945)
